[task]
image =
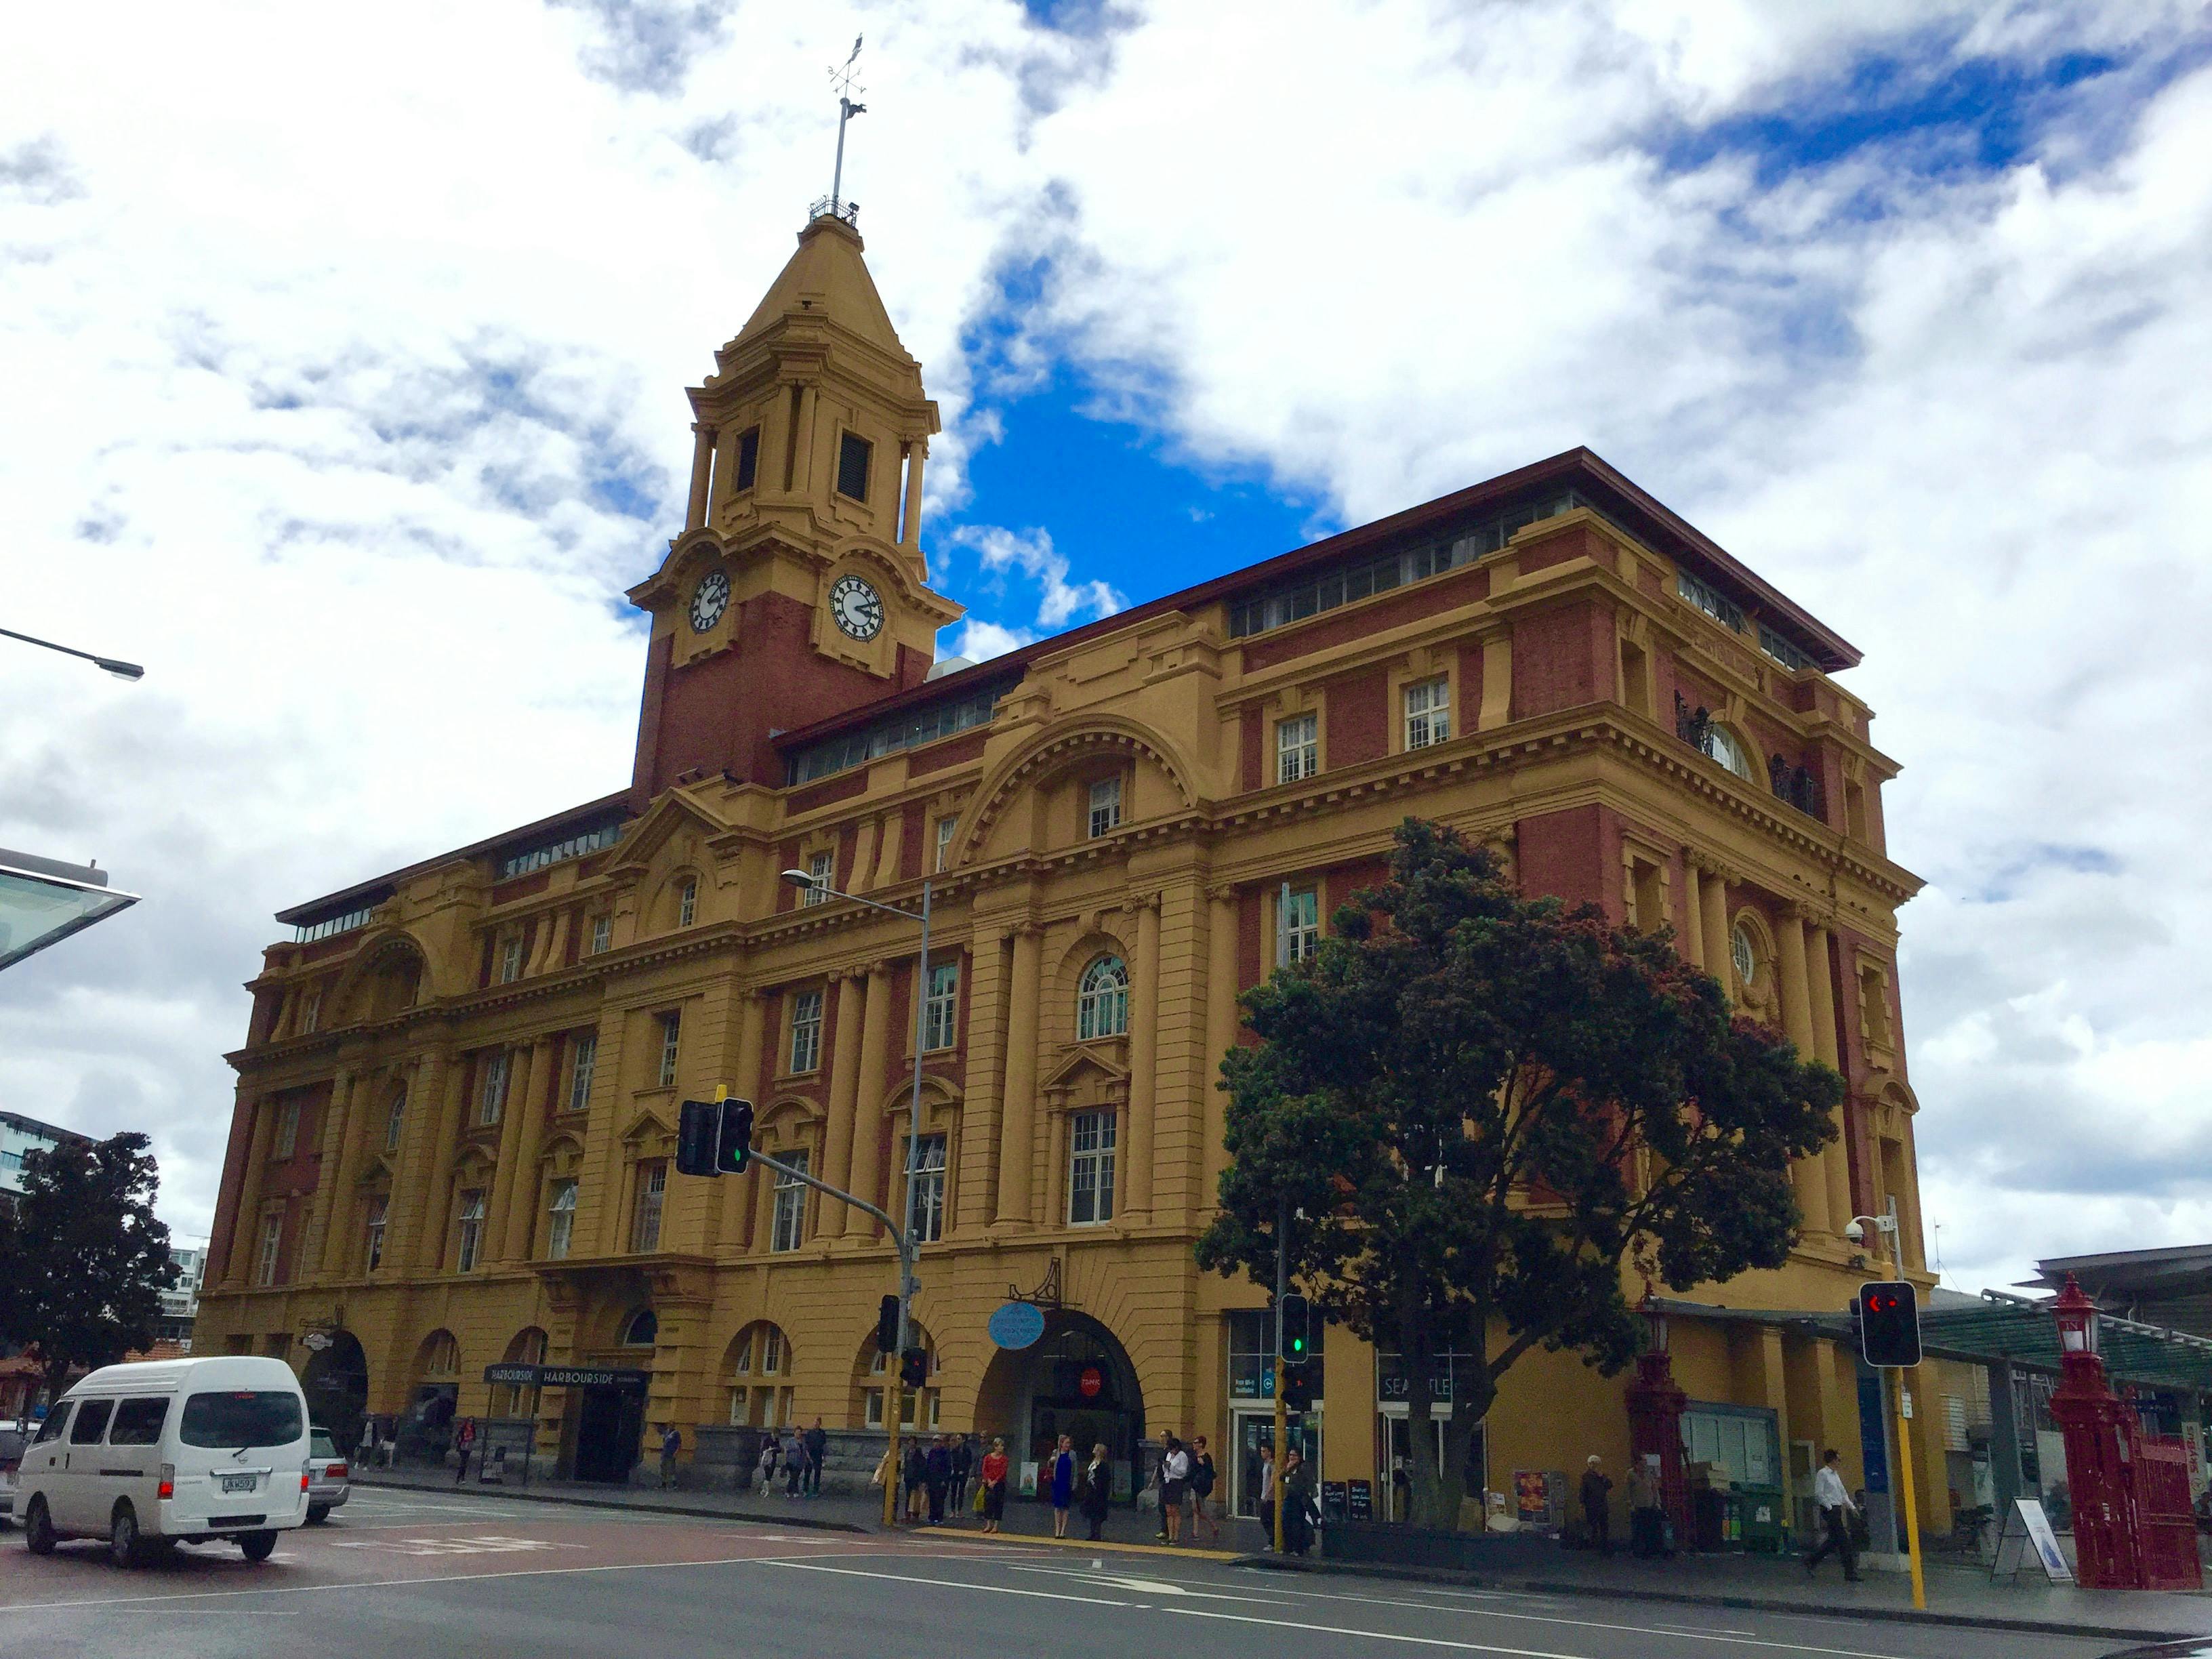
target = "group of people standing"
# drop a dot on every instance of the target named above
(1292, 1488)
(935, 1474)
(796, 1458)
(1184, 1475)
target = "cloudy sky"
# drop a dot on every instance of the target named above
(341, 370)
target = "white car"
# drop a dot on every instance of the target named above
(167, 1452)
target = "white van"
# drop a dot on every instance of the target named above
(167, 1452)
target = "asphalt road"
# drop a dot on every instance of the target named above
(404, 1576)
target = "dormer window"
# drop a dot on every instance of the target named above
(854, 454)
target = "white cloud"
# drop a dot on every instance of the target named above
(1059, 602)
(978, 641)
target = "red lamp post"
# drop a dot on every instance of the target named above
(2089, 1415)
(1654, 1421)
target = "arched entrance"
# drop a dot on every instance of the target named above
(1077, 1381)
(336, 1383)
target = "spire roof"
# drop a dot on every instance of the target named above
(827, 278)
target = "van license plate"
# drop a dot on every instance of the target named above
(239, 1482)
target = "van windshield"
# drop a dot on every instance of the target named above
(242, 1417)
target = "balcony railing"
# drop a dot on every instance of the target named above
(828, 207)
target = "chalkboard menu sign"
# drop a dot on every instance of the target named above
(1360, 1496)
(1333, 1500)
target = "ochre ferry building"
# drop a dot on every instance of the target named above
(452, 1141)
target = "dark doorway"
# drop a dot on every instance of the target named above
(336, 1383)
(609, 1424)
(1080, 1384)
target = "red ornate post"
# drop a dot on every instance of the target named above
(2088, 1414)
(1655, 1422)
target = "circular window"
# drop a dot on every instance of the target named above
(1746, 959)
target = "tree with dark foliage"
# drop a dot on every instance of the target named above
(1493, 1113)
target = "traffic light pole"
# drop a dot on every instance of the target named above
(1905, 1452)
(908, 1286)
(1282, 1382)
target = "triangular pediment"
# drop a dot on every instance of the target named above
(675, 810)
(645, 1127)
(378, 1173)
(1085, 1064)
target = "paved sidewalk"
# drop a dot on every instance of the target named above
(1956, 1595)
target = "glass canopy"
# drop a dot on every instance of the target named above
(43, 902)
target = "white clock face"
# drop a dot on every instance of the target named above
(858, 608)
(709, 599)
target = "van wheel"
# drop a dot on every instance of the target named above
(257, 1545)
(39, 1527)
(318, 1513)
(124, 1547)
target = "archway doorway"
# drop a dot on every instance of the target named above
(1077, 1381)
(336, 1383)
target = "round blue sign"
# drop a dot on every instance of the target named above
(1016, 1324)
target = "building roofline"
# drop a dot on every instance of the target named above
(39, 1126)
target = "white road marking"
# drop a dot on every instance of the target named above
(1146, 1586)
(1692, 1630)
(1377, 1635)
(491, 1544)
(945, 1583)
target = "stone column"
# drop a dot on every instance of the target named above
(330, 1153)
(802, 457)
(246, 1231)
(844, 1086)
(1806, 1175)
(868, 1107)
(523, 1187)
(703, 463)
(1835, 1157)
(728, 1228)
(431, 1207)
(977, 1173)
(353, 1140)
(1144, 1054)
(1019, 1107)
(426, 1086)
(1221, 1036)
(522, 1081)
(1693, 930)
(911, 529)
(1712, 897)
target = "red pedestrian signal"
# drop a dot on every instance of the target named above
(1889, 1323)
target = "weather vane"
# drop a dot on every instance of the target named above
(841, 77)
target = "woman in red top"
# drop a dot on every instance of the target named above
(995, 1486)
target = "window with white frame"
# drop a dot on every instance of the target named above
(379, 1208)
(671, 1035)
(788, 1229)
(928, 1202)
(491, 1088)
(1297, 748)
(1105, 807)
(645, 1224)
(947, 827)
(941, 1017)
(805, 1031)
(1428, 712)
(772, 1338)
(579, 1072)
(395, 1123)
(1101, 999)
(311, 1014)
(561, 1220)
(272, 1240)
(472, 1229)
(1091, 1167)
(603, 933)
(287, 1128)
(687, 902)
(819, 869)
(510, 959)
(1301, 923)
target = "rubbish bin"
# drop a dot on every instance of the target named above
(1760, 1510)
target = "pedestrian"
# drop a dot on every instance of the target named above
(1175, 1481)
(938, 1471)
(1201, 1488)
(1097, 1491)
(1296, 1499)
(1266, 1488)
(995, 1486)
(794, 1461)
(1647, 1520)
(1063, 1483)
(1597, 1487)
(768, 1454)
(818, 1447)
(1836, 1510)
(465, 1440)
(671, 1442)
(964, 1468)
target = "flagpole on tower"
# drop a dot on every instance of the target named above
(842, 78)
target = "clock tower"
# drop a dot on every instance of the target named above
(798, 589)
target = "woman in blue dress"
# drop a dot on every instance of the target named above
(1063, 1484)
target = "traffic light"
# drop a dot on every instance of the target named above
(733, 1138)
(914, 1367)
(1298, 1324)
(1889, 1323)
(1297, 1387)
(698, 1124)
(887, 1330)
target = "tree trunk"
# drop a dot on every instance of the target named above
(1431, 1508)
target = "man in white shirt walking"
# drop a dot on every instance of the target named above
(1836, 1509)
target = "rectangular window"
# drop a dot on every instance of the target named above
(789, 1230)
(852, 457)
(743, 1364)
(1297, 748)
(310, 1015)
(928, 1208)
(820, 869)
(272, 1239)
(687, 903)
(580, 1076)
(491, 1096)
(748, 460)
(651, 1189)
(805, 1031)
(946, 829)
(671, 1032)
(1091, 1167)
(1301, 924)
(561, 1222)
(396, 1122)
(91, 1422)
(603, 933)
(1428, 712)
(138, 1423)
(472, 1229)
(941, 1020)
(1105, 807)
(379, 1208)
(510, 959)
(287, 1128)
(772, 1340)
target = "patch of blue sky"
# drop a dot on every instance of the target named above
(2006, 881)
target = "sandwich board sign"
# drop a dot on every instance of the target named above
(2027, 1532)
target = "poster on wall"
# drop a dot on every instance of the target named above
(1540, 1497)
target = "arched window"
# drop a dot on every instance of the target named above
(1745, 952)
(520, 1399)
(759, 1368)
(1101, 1001)
(918, 1408)
(642, 1329)
(441, 1356)
(1725, 747)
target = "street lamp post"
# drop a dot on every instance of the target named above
(893, 1384)
(121, 671)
